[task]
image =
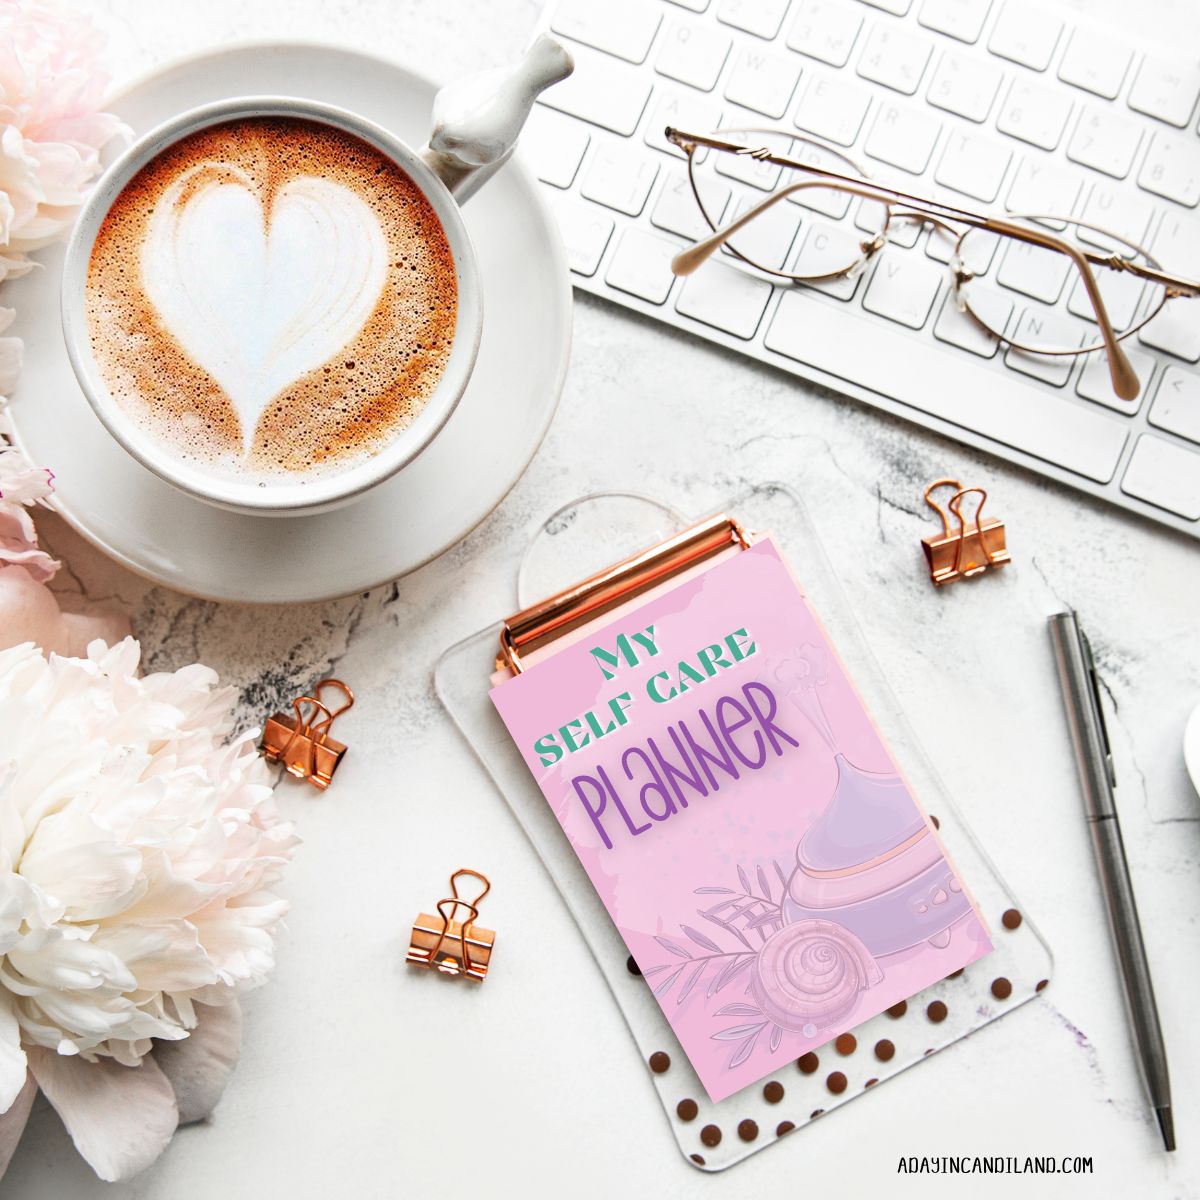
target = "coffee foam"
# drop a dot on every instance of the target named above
(272, 299)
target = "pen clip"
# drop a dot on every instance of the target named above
(1098, 706)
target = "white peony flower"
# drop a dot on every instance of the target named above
(50, 132)
(137, 856)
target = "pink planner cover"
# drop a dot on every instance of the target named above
(741, 818)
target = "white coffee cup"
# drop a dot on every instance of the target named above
(476, 124)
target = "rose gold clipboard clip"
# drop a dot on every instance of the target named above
(541, 623)
(302, 742)
(451, 946)
(976, 546)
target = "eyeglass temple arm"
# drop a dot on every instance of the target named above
(686, 261)
(1124, 378)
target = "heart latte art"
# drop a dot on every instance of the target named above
(271, 298)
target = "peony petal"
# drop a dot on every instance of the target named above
(13, 1066)
(199, 1067)
(120, 1118)
(12, 1123)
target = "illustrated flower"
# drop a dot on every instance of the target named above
(51, 133)
(138, 852)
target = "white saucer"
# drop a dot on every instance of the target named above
(159, 532)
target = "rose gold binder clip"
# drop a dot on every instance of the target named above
(454, 947)
(302, 742)
(976, 546)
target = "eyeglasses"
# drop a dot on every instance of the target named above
(1117, 285)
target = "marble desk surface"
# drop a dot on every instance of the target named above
(355, 1080)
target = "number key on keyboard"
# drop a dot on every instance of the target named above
(619, 177)
(965, 85)
(895, 58)
(903, 289)
(693, 54)
(1172, 168)
(1176, 405)
(760, 17)
(1166, 475)
(1166, 89)
(642, 266)
(1106, 140)
(973, 164)
(621, 27)
(1095, 63)
(1026, 34)
(1035, 114)
(825, 30)
(762, 81)
(961, 19)
(724, 297)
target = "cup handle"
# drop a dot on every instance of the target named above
(476, 121)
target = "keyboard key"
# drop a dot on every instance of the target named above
(1120, 294)
(553, 146)
(768, 239)
(903, 136)
(1176, 244)
(759, 17)
(1172, 168)
(1174, 330)
(1095, 380)
(621, 27)
(1118, 211)
(726, 298)
(1042, 189)
(1044, 327)
(585, 232)
(825, 30)
(754, 171)
(1165, 475)
(642, 266)
(696, 114)
(973, 164)
(602, 93)
(961, 19)
(698, 6)
(966, 86)
(1077, 437)
(833, 109)
(1095, 63)
(895, 58)
(1166, 89)
(820, 199)
(959, 328)
(898, 8)
(693, 54)
(619, 177)
(1034, 270)
(676, 209)
(1035, 114)
(1176, 405)
(1026, 33)
(762, 81)
(903, 289)
(826, 249)
(977, 249)
(1106, 140)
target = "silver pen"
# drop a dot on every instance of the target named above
(1093, 756)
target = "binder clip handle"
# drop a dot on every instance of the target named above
(473, 904)
(937, 508)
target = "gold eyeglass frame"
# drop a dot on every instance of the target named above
(945, 218)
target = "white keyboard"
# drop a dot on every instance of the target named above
(992, 104)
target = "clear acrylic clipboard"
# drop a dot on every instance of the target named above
(592, 533)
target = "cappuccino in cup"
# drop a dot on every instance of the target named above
(271, 300)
